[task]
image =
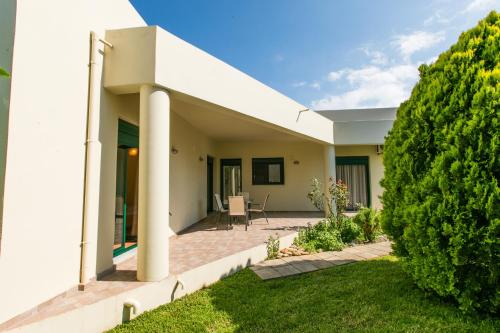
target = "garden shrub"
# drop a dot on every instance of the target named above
(441, 158)
(273, 247)
(322, 236)
(349, 230)
(323, 201)
(368, 221)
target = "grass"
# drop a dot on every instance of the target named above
(369, 296)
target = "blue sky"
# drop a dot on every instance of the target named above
(326, 54)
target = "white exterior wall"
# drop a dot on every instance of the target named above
(375, 164)
(42, 213)
(188, 175)
(292, 196)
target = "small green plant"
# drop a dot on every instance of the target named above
(273, 247)
(323, 201)
(323, 236)
(368, 220)
(349, 230)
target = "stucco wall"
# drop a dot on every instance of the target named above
(188, 175)
(42, 216)
(292, 195)
(375, 164)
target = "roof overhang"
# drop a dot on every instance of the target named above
(360, 126)
(151, 55)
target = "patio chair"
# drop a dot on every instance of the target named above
(237, 209)
(220, 209)
(245, 195)
(262, 209)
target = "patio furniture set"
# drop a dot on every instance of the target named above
(240, 206)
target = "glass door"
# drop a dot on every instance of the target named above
(354, 172)
(126, 201)
(230, 178)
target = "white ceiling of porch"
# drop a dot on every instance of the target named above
(226, 125)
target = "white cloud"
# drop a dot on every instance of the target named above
(299, 84)
(416, 41)
(437, 17)
(372, 86)
(477, 5)
(334, 76)
(376, 57)
(315, 85)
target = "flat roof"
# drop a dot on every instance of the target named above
(368, 114)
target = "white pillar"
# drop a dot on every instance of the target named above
(330, 172)
(154, 155)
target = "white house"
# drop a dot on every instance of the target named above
(115, 135)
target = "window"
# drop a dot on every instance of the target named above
(354, 172)
(268, 171)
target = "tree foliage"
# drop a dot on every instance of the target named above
(3, 72)
(441, 158)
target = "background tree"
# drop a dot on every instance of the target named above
(441, 198)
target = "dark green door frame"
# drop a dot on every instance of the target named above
(128, 137)
(210, 184)
(358, 160)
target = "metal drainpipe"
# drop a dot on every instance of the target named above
(90, 145)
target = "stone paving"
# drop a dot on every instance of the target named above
(288, 266)
(202, 243)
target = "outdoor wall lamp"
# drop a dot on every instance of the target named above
(201, 159)
(296, 162)
(174, 150)
(133, 152)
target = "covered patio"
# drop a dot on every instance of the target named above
(200, 249)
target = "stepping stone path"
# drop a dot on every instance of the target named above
(286, 266)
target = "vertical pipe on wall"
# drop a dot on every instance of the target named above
(330, 175)
(154, 161)
(92, 173)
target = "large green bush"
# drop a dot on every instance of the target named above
(442, 199)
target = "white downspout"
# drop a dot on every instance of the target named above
(92, 174)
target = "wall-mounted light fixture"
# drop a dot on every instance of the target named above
(201, 159)
(380, 149)
(133, 152)
(296, 162)
(174, 150)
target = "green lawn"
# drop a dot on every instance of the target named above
(370, 296)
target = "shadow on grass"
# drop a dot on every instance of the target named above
(369, 296)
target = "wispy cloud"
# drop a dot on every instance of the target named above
(438, 17)
(372, 86)
(299, 84)
(334, 76)
(314, 85)
(477, 5)
(416, 41)
(376, 57)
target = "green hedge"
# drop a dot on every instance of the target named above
(441, 198)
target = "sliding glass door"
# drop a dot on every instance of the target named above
(230, 178)
(354, 172)
(126, 201)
